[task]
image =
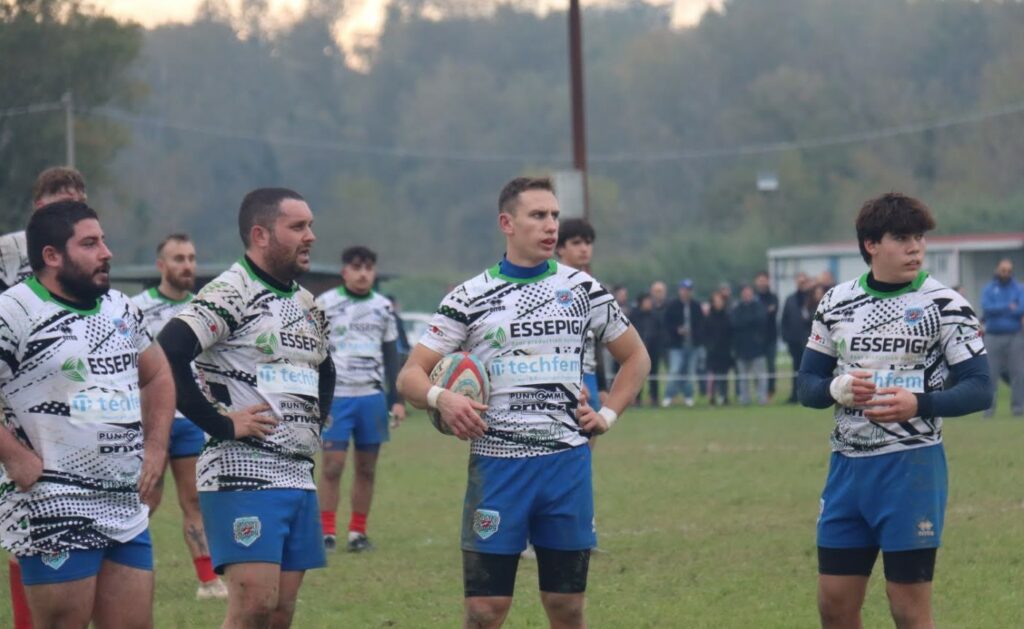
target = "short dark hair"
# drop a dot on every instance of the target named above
(56, 179)
(892, 213)
(52, 226)
(762, 273)
(511, 191)
(176, 237)
(575, 228)
(261, 207)
(358, 253)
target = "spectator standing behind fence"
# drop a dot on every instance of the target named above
(684, 322)
(648, 326)
(718, 345)
(659, 303)
(1002, 304)
(748, 342)
(770, 301)
(796, 325)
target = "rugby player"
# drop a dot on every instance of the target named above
(881, 348)
(176, 261)
(364, 346)
(526, 318)
(91, 403)
(260, 344)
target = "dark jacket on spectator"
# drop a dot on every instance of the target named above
(748, 330)
(648, 326)
(675, 318)
(796, 319)
(718, 341)
(770, 301)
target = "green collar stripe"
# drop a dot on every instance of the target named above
(344, 292)
(156, 294)
(909, 288)
(277, 291)
(495, 271)
(43, 293)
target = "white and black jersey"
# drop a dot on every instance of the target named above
(530, 334)
(157, 310)
(14, 265)
(71, 380)
(260, 345)
(908, 339)
(359, 326)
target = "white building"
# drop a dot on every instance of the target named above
(968, 261)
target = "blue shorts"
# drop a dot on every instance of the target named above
(187, 439)
(72, 565)
(893, 501)
(363, 418)
(590, 381)
(548, 500)
(279, 526)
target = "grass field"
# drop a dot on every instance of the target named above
(707, 516)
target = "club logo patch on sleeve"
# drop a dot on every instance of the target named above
(485, 522)
(247, 530)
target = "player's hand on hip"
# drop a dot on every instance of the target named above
(254, 421)
(154, 459)
(898, 405)
(397, 414)
(462, 415)
(590, 420)
(24, 469)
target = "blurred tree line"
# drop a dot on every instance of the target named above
(408, 155)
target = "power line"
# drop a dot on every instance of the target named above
(621, 157)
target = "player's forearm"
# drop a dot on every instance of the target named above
(633, 372)
(413, 385)
(325, 388)
(971, 393)
(181, 346)
(158, 408)
(391, 367)
(814, 378)
(12, 450)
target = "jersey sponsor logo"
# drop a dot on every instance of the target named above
(121, 448)
(538, 395)
(514, 371)
(117, 435)
(563, 297)
(110, 365)
(341, 330)
(280, 378)
(74, 370)
(54, 560)
(911, 380)
(548, 327)
(913, 316)
(247, 530)
(266, 343)
(98, 406)
(888, 345)
(486, 522)
(539, 407)
(366, 328)
(496, 338)
(299, 341)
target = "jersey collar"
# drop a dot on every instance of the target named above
(523, 274)
(909, 288)
(262, 277)
(344, 292)
(43, 293)
(156, 294)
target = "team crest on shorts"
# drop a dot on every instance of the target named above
(913, 316)
(247, 530)
(54, 560)
(485, 522)
(563, 297)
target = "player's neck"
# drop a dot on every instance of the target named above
(523, 261)
(57, 291)
(262, 269)
(522, 269)
(891, 277)
(170, 292)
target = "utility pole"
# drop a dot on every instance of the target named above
(579, 126)
(69, 127)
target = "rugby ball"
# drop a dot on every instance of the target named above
(462, 373)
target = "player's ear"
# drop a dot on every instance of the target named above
(52, 256)
(505, 223)
(259, 236)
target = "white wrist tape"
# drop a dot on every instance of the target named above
(841, 389)
(432, 395)
(609, 415)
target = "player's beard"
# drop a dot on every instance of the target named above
(81, 284)
(284, 261)
(182, 282)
